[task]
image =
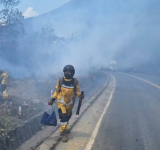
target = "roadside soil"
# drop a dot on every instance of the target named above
(32, 95)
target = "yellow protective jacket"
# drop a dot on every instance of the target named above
(4, 78)
(67, 93)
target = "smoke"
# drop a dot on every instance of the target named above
(95, 32)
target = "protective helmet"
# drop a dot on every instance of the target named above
(69, 68)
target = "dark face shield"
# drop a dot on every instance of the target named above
(68, 75)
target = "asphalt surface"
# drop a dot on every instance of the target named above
(153, 79)
(132, 121)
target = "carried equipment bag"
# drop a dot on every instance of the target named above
(49, 120)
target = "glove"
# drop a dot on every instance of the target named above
(51, 101)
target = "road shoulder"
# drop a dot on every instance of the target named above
(81, 127)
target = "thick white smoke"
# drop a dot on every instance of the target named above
(125, 31)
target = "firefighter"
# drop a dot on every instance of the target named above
(4, 79)
(66, 90)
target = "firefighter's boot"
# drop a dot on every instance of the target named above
(63, 129)
(64, 137)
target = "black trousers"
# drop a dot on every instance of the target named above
(64, 117)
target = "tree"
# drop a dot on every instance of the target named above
(11, 27)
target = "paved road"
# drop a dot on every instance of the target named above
(153, 79)
(132, 121)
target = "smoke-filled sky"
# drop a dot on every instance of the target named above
(121, 30)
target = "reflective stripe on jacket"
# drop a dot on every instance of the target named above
(66, 95)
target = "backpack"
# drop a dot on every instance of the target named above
(75, 84)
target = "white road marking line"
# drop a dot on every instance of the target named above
(94, 133)
(155, 85)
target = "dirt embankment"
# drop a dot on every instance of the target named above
(31, 94)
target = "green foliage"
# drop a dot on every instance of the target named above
(47, 36)
(9, 14)
(11, 27)
(5, 125)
